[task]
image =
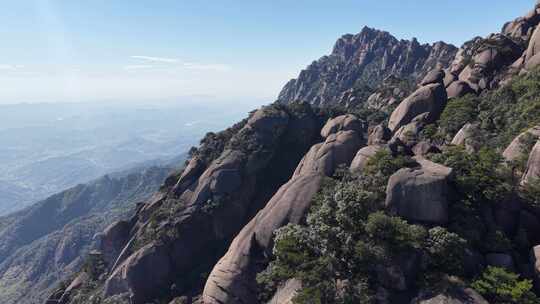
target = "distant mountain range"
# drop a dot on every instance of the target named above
(46, 243)
(47, 148)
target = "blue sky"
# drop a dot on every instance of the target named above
(80, 50)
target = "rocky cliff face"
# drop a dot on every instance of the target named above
(364, 59)
(46, 243)
(305, 203)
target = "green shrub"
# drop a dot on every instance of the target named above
(499, 286)
(446, 251)
(394, 232)
(457, 113)
(480, 177)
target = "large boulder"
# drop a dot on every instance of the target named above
(534, 45)
(433, 76)
(429, 99)
(458, 89)
(346, 122)
(362, 157)
(515, 148)
(338, 148)
(532, 172)
(409, 133)
(453, 295)
(466, 137)
(420, 194)
(233, 278)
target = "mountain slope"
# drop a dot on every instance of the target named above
(47, 242)
(317, 202)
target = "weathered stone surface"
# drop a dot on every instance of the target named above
(142, 274)
(458, 89)
(532, 172)
(433, 76)
(420, 194)
(286, 292)
(534, 45)
(466, 137)
(379, 135)
(338, 148)
(449, 78)
(362, 157)
(346, 122)
(233, 276)
(429, 99)
(423, 148)
(514, 149)
(409, 133)
(113, 240)
(453, 295)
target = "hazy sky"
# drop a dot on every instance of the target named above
(82, 50)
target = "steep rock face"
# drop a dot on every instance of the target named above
(420, 194)
(233, 278)
(364, 59)
(187, 225)
(48, 242)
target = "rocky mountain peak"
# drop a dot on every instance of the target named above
(364, 59)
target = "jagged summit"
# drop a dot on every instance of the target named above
(364, 59)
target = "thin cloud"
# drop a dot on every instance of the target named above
(206, 67)
(138, 67)
(156, 59)
(11, 67)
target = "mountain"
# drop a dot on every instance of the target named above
(46, 243)
(417, 185)
(364, 60)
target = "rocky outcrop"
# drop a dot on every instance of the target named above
(522, 28)
(430, 99)
(232, 279)
(515, 149)
(362, 157)
(211, 200)
(342, 123)
(365, 58)
(532, 173)
(458, 89)
(466, 137)
(409, 133)
(420, 194)
(379, 134)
